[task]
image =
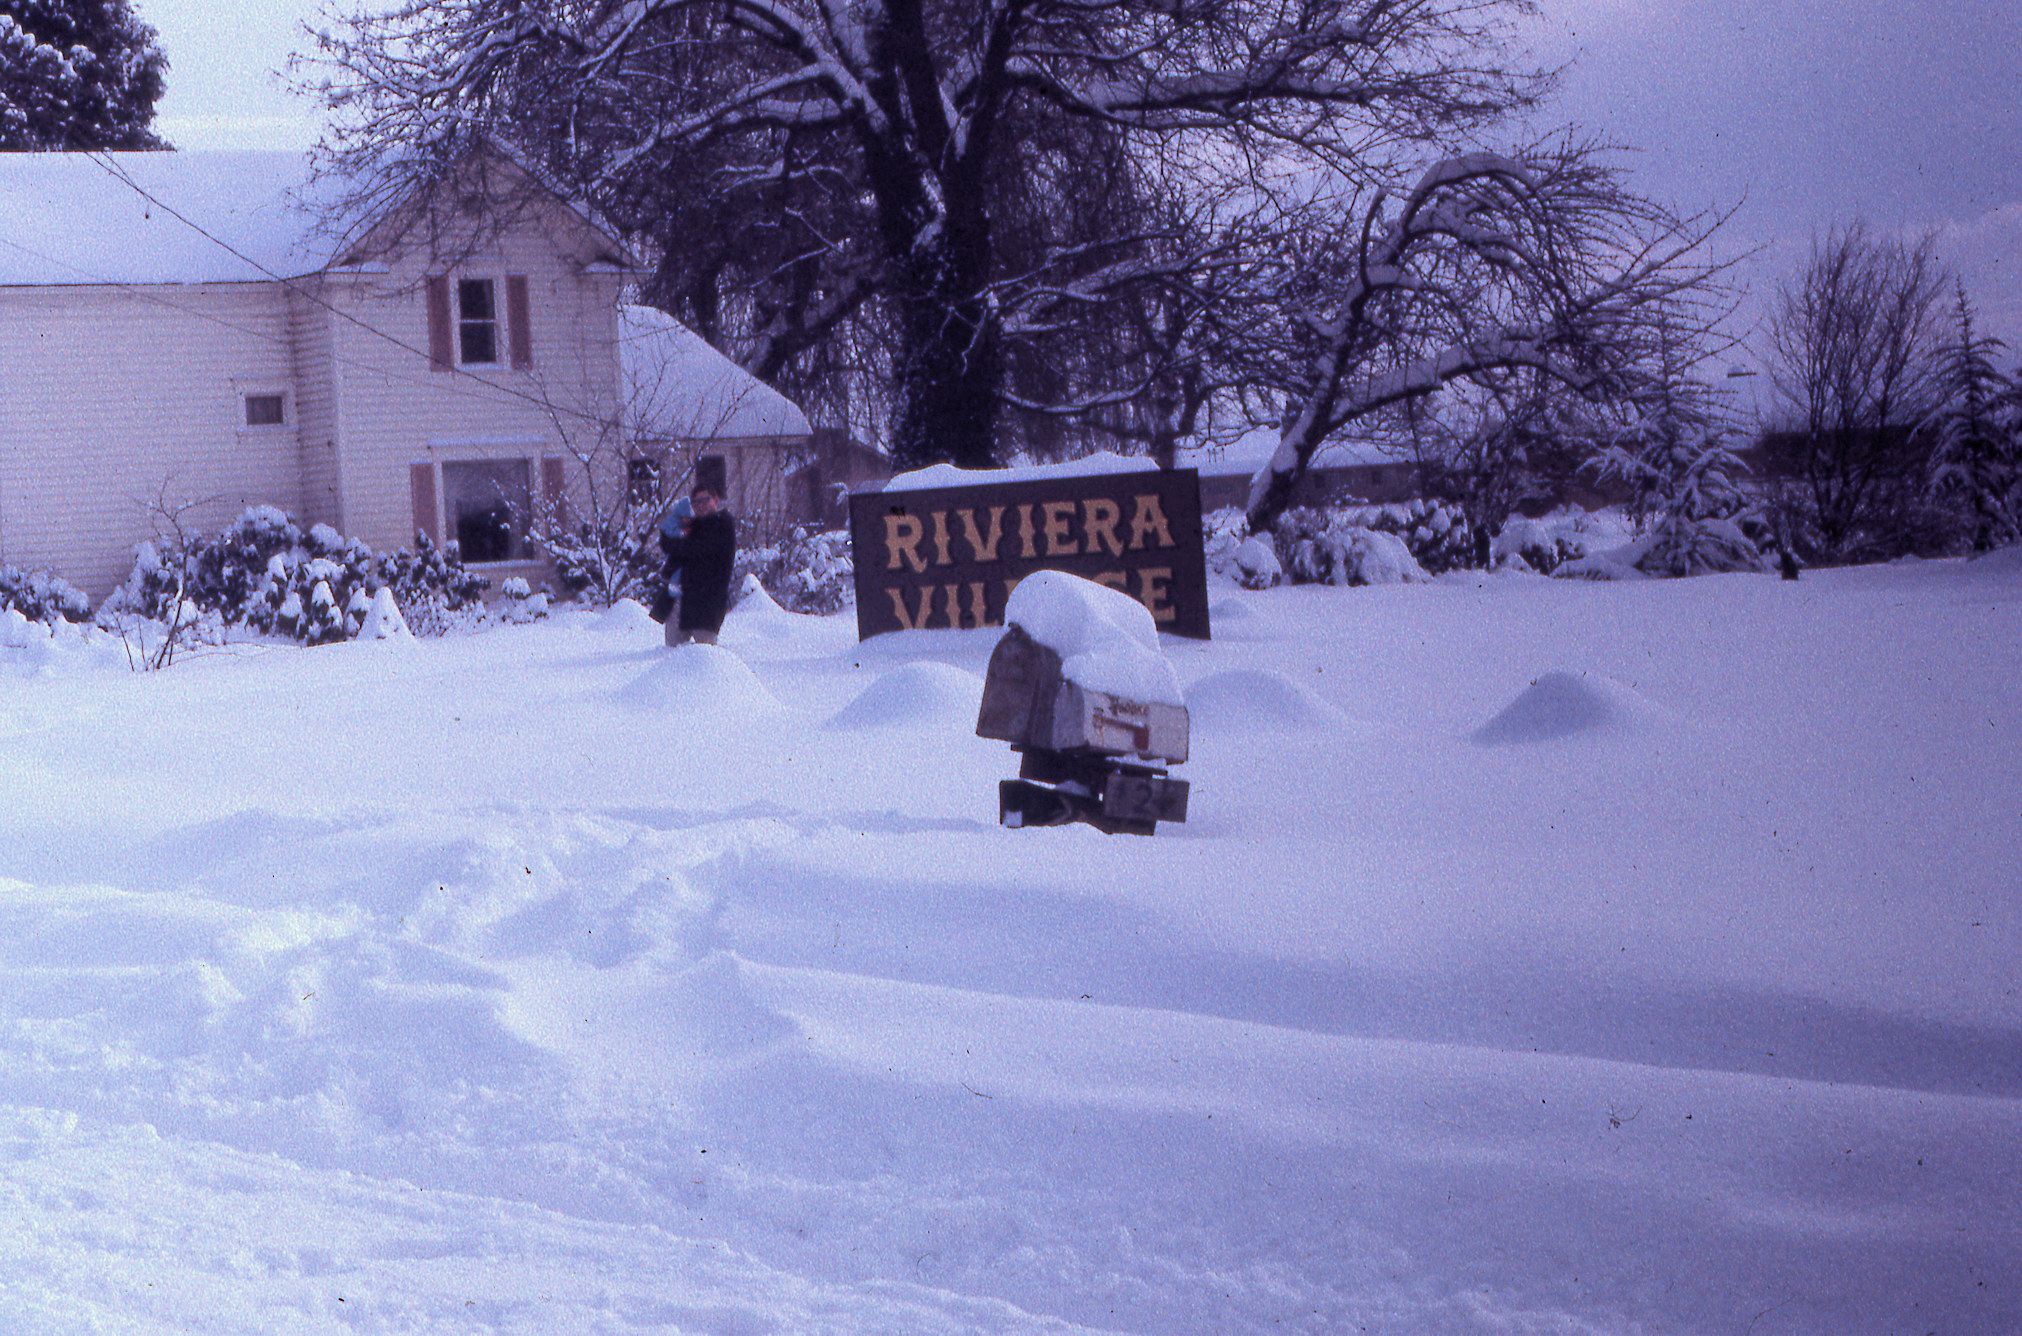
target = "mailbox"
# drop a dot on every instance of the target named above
(1086, 754)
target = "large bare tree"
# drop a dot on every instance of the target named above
(1538, 280)
(868, 143)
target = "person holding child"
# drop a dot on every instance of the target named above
(700, 559)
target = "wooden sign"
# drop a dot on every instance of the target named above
(944, 557)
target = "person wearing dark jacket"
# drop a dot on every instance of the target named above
(702, 557)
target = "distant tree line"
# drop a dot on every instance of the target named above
(1895, 432)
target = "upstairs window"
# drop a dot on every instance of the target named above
(266, 410)
(476, 321)
(479, 322)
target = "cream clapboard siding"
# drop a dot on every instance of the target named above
(113, 398)
(119, 398)
(755, 471)
(317, 419)
(395, 411)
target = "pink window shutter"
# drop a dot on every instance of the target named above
(441, 353)
(555, 489)
(421, 482)
(519, 325)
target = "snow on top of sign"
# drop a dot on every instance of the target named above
(677, 385)
(1106, 639)
(947, 475)
(69, 219)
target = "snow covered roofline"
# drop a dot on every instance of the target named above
(74, 219)
(232, 216)
(678, 387)
(1254, 449)
(1098, 464)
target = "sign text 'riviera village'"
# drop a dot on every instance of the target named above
(945, 557)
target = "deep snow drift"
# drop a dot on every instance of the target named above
(1538, 957)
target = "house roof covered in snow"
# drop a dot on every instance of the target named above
(1253, 450)
(75, 219)
(69, 219)
(678, 387)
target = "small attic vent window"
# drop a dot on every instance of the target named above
(266, 410)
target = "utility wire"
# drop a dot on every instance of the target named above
(489, 387)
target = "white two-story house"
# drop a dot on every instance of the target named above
(186, 334)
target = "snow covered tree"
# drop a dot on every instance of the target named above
(1976, 436)
(1538, 282)
(1856, 358)
(875, 145)
(1484, 454)
(77, 74)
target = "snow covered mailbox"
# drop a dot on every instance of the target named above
(1079, 687)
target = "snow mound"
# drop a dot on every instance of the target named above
(710, 1012)
(16, 629)
(919, 693)
(1106, 639)
(1561, 704)
(39, 649)
(1258, 700)
(1257, 559)
(384, 622)
(758, 613)
(700, 681)
(626, 616)
(1235, 619)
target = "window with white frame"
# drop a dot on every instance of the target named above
(477, 340)
(266, 408)
(486, 504)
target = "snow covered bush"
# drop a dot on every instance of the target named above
(1678, 546)
(1436, 532)
(519, 602)
(1673, 548)
(430, 585)
(267, 575)
(1348, 545)
(1700, 520)
(1255, 562)
(1527, 544)
(811, 572)
(605, 563)
(1329, 547)
(42, 597)
(1222, 532)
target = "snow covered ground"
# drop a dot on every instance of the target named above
(1540, 956)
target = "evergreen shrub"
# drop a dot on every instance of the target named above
(264, 573)
(42, 597)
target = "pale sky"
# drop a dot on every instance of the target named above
(1804, 112)
(1814, 112)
